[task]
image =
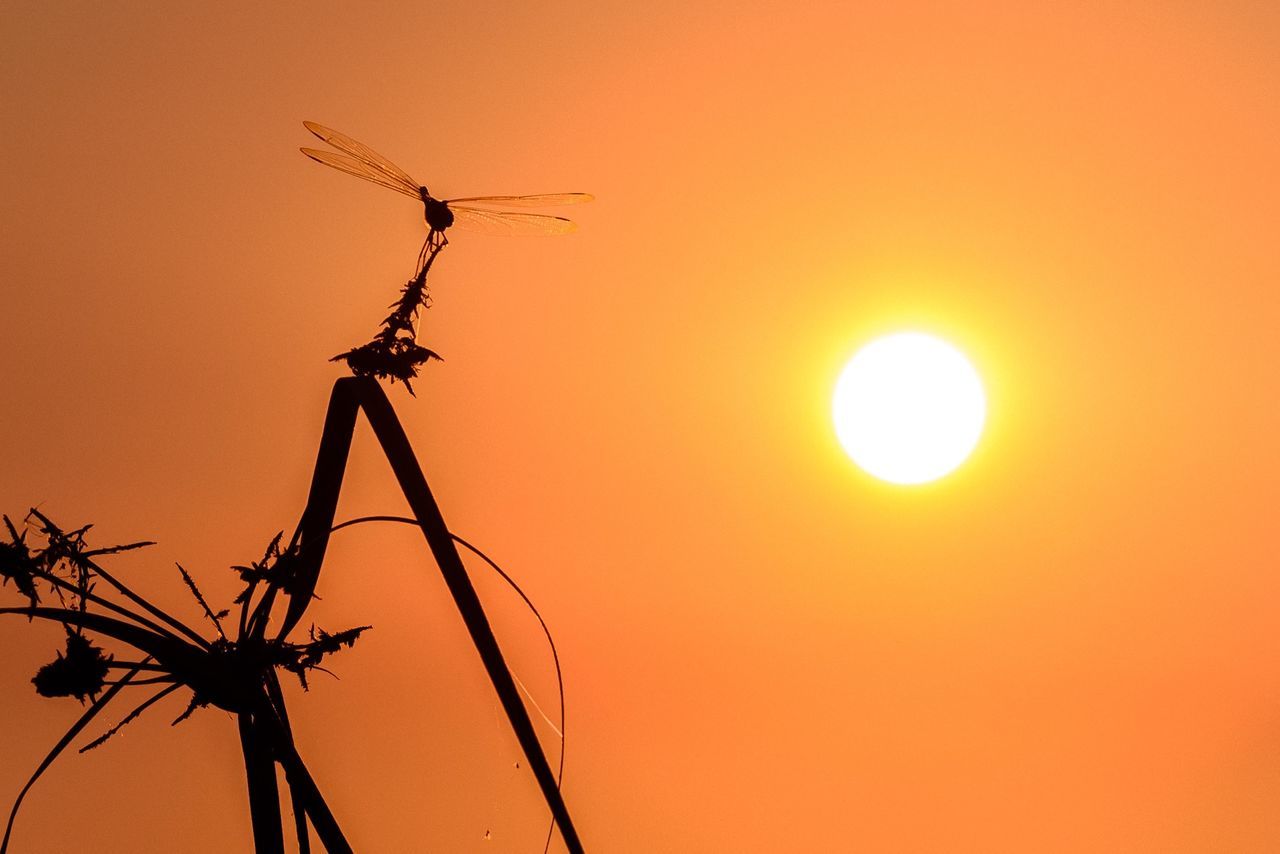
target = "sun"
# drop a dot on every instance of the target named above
(909, 408)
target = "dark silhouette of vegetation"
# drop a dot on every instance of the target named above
(240, 673)
(237, 668)
(394, 353)
(235, 674)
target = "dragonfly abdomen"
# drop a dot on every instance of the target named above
(437, 213)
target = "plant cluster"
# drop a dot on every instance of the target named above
(63, 581)
(394, 353)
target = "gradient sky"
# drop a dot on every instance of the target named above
(1069, 645)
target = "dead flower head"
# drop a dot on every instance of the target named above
(81, 672)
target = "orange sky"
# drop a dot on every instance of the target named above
(1067, 646)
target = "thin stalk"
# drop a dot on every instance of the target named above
(128, 665)
(195, 591)
(148, 607)
(132, 716)
(546, 630)
(555, 655)
(309, 797)
(244, 608)
(264, 793)
(155, 680)
(322, 502)
(124, 590)
(176, 654)
(295, 797)
(349, 395)
(122, 611)
(92, 712)
(395, 444)
(300, 779)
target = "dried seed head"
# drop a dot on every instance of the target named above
(18, 564)
(79, 673)
(393, 358)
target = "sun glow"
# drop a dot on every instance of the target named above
(909, 408)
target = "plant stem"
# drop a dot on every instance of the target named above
(395, 444)
(82, 562)
(322, 502)
(295, 797)
(96, 706)
(191, 633)
(301, 783)
(176, 655)
(264, 794)
(350, 394)
(111, 606)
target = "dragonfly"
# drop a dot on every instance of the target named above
(475, 213)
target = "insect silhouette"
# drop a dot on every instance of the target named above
(471, 212)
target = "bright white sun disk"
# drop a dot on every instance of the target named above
(909, 408)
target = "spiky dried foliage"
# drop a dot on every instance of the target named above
(237, 674)
(18, 565)
(80, 673)
(278, 568)
(301, 658)
(394, 353)
(388, 358)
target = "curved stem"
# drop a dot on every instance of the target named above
(404, 463)
(81, 560)
(191, 633)
(132, 716)
(126, 665)
(174, 653)
(122, 611)
(97, 706)
(546, 630)
(555, 656)
(312, 536)
(154, 680)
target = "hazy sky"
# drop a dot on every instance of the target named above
(1069, 645)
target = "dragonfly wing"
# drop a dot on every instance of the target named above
(509, 222)
(544, 200)
(361, 152)
(361, 170)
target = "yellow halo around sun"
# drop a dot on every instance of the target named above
(909, 408)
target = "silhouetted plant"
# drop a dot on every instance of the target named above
(79, 673)
(237, 674)
(238, 671)
(394, 353)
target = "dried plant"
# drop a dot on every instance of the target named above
(394, 353)
(239, 671)
(238, 668)
(238, 674)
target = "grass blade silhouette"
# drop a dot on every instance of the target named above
(322, 502)
(295, 797)
(264, 791)
(395, 444)
(349, 395)
(134, 715)
(546, 630)
(92, 712)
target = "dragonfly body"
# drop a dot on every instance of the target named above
(436, 212)
(472, 212)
